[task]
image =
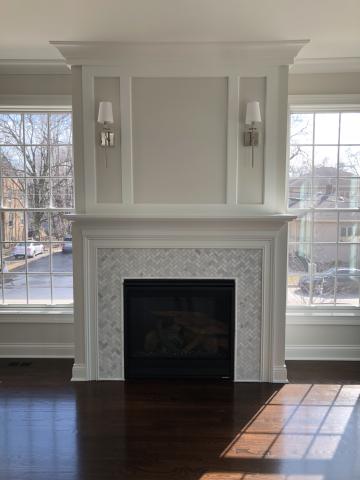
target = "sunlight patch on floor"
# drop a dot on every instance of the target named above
(298, 422)
(257, 476)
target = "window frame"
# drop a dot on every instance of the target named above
(319, 314)
(47, 104)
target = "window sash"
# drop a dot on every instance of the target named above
(313, 209)
(50, 242)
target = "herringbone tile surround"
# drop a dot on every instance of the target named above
(245, 265)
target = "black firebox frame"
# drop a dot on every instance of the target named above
(173, 368)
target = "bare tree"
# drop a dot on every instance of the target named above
(36, 153)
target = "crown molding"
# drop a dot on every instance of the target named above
(221, 54)
(33, 67)
(325, 65)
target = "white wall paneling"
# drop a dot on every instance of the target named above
(233, 134)
(251, 178)
(275, 167)
(126, 137)
(36, 334)
(108, 161)
(166, 160)
(158, 84)
(179, 140)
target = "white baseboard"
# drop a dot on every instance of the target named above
(280, 374)
(36, 350)
(322, 352)
(79, 372)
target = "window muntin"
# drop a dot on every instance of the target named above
(36, 187)
(324, 192)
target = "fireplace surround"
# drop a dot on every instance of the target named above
(249, 250)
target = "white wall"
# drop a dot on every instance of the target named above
(31, 84)
(35, 335)
(324, 83)
(316, 335)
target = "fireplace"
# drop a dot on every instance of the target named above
(179, 328)
(248, 251)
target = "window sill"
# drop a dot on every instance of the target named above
(323, 316)
(20, 314)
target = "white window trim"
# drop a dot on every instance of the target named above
(319, 314)
(34, 314)
(36, 103)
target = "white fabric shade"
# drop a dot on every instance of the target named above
(105, 113)
(252, 113)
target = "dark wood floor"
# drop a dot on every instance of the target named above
(51, 429)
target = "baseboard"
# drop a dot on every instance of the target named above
(36, 350)
(79, 372)
(280, 374)
(323, 352)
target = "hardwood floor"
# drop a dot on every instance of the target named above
(323, 372)
(51, 429)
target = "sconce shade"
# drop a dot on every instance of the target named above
(252, 113)
(105, 113)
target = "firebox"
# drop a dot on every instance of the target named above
(179, 328)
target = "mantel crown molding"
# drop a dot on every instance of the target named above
(225, 54)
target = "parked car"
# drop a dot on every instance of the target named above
(32, 249)
(67, 245)
(348, 280)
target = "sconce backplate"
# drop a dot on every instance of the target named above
(251, 138)
(107, 139)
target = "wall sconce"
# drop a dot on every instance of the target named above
(105, 117)
(251, 134)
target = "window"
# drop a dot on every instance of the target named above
(324, 191)
(36, 188)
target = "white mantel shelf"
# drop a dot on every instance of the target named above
(93, 218)
(198, 54)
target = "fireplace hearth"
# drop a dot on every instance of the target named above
(180, 328)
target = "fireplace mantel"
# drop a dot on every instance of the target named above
(193, 199)
(257, 226)
(118, 247)
(223, 215)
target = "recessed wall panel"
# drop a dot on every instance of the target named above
(108, 162)
(179, 140)
(251, 178)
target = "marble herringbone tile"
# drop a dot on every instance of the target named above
(243, 264)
